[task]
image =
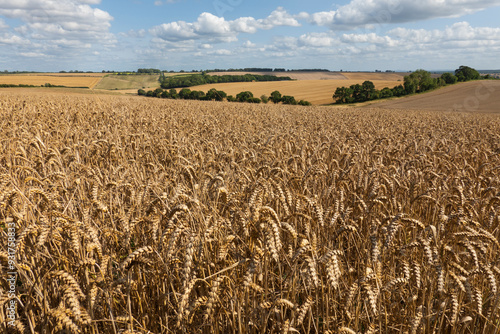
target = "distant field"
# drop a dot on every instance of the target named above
(363, 76)
(54, 91)
(59, 79)
(305, 75)
(477, 96)
(99, 75)
(315, 87)
(315, 91)
(119, 82)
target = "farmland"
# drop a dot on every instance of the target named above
(163, 216)
(470, 96)
(296, 75)
(315, 87)
(314, 91)
(124, 82)
(58, 79)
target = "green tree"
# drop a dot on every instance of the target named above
(141, 92)
(357, 93)
(157, 92)
(369, 91)
(264, 98)
(419, 81)
(343, 95)
(185, 93)
(217, 95)
(173, 93)
(466, 73)
(449, 78)
(398, 91)
(286, 99)
(197, 95)
(386, 93)
(410, 84)
(275, 97)
(244, 96)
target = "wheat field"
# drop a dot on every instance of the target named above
(141, 215)
(88, 80)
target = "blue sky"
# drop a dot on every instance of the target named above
(95, 35)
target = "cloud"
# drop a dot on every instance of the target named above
(52, 20)
(3, 25)
(11, 39)
(460, 38)
(459, 35)
(221, 52)
(316, 40)
(133, 33)
(32, 54)
(249, 45)
(213, 28)
(433, 49)
(359, 13)
(279, 17)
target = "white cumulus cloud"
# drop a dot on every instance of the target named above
(214, 28)
(360, 13)
(55, 19)
(316, 40)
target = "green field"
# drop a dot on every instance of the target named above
(114, 81)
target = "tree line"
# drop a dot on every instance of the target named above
(190, 80)
(30, 86)
(148, 71)
(417, 82)
(267, 69)
(219, 95)
(13, 85)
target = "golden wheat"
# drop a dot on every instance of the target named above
(137, 215)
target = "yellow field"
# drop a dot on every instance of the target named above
(127, 214)
(296, 75)
(315, 91)
(362, 76)
(100, 75)
(59, 79)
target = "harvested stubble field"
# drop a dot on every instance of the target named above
(64, 79)
(129, 82)
(159, 216)
(474, 96)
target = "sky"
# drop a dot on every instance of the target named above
(349, 35)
